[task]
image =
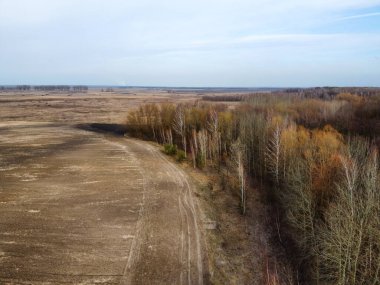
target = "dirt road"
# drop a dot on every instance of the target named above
(82, 207)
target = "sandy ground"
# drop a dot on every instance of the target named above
(82, 207)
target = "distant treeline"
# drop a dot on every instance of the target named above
(325, 93)
(224, 98)
(67, 88)
(330, 92)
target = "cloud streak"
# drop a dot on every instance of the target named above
(359, 16)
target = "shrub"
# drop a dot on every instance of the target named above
(200, 161)
(181, 155)
(170, 149)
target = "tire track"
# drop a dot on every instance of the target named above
(187, 200)
(189, 255)
(136, 243)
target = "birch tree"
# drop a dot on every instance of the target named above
(350, 238)
(179, 125)
(215, 141)
(202, 142)
(238, 155)
(273, 152)
(194, 147)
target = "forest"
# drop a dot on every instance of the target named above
(315, 156)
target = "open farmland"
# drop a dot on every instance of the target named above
(80, 206)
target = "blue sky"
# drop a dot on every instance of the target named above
(226, 43)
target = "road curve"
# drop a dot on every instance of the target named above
(83, 208)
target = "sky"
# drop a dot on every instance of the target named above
(193, 43)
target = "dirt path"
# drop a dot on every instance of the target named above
(80, 207)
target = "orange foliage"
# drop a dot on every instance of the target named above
(320, 149)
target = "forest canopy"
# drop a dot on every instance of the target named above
(318, 156)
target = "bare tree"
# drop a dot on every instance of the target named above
(238, 155)
(194, 147)
(179, 125)
(350, 238)
(273, 152)
(215, 141)
(202, 142)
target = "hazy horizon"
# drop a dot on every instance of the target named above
(97, 86)
(197, 44)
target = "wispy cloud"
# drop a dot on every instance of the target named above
(282, 39)
(359, 16)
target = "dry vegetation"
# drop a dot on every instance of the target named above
(82, 206)
(316, 161)
(290, 179)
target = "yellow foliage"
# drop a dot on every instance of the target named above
(352, 98)
(326, 142)
(277, 120)
(318, 149)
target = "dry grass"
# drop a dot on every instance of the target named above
(240, 249)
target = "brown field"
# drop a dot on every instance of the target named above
(74, 108)
(81, 204)
(83, 207)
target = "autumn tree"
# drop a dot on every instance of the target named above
(167, 113)
(350, 238)
(326, 187)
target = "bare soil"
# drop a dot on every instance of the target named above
(83, 207)
(81, 204)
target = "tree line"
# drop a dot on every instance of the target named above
(320, 173)
(67, 88)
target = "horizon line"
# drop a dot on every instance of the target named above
(195, 87)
